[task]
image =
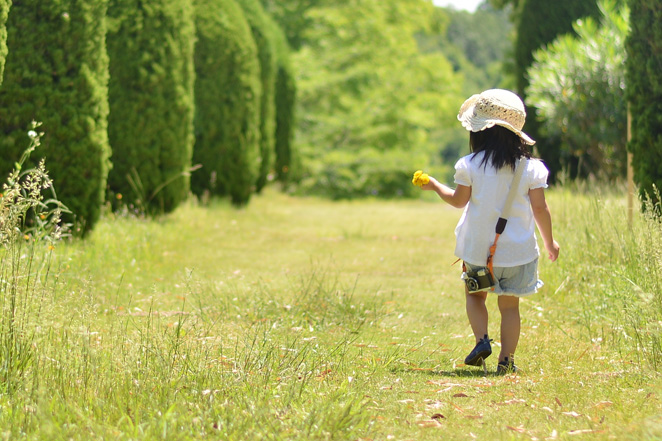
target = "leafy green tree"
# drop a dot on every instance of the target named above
(4, 11)
(56, 73)
(578, 85)
(151, 101)
(644, 93)
(227, 102)
(365, 87)
(265, 42)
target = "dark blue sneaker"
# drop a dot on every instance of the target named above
(482, 350)
(506, 367)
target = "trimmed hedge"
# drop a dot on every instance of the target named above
(150, 126)
(262, 32)
(285, 100)
(227, 102)
(644, 93)
(4, 12)
(57, 73)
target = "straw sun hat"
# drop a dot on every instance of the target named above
(495, 107)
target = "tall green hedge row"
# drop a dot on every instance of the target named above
(150, 126)
(227, 102)
(644, 92)
(50, 77)
(285, 98)
(264, 41)
(4, 11)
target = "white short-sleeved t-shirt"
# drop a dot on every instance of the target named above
(475, 231)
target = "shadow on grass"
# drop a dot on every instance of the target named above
(463, 372)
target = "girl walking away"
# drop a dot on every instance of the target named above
(495, 119)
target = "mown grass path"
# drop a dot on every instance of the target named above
(300, 318)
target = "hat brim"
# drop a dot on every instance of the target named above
(475, 123)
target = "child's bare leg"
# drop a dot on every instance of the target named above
(510, 326)
(477, 313)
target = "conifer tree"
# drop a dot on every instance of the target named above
(285, 99)
(150, 126)
(262, 32)
(227, 102)
(56, 73)
(644, 94)
(4, 11)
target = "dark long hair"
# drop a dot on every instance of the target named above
(501, 146)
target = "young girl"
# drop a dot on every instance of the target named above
(495, 119)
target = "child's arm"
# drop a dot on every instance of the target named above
(543, 219)
(458, 198)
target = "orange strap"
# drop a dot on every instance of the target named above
(490, 265)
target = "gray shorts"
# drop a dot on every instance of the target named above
(518, 281)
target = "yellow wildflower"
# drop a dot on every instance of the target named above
(420, 178)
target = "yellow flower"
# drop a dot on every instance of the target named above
(420, 178)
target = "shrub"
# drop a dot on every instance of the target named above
(227, 106)
(57, 73)
(264, 39)
(644, 94)
(150, 125)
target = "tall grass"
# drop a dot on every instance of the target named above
(304, 319)
(611, 270)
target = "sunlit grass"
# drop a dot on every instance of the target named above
(300, 318)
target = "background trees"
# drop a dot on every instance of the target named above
(644, 93)
(369, 98)
(56, 73)
(150, 125)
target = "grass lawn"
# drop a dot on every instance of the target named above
(302, 319)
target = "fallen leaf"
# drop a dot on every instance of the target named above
(438, 416)
(513, 401)
(572, 414)
(582, 431)
(430, 424)
(558, 402)
(474, 417)
(603, 404)
(519, 429)
(460, 395)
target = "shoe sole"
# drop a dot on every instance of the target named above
(478, 358)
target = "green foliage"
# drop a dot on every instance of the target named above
(4, 11)
(227, 102)
(150, 125)
(367, 172)
(294, 18)
(364, 85)
(644, 93)
(578, 86)
(262, 31)
(287, 166)
(57, 73)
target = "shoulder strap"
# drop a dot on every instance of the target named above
(503, 219)
(505, 213)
